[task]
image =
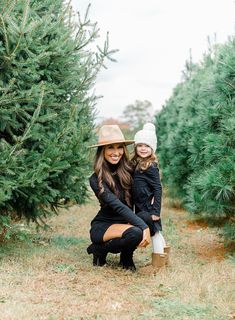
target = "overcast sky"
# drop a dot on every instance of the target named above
(154, 38)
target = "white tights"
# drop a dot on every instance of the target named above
(158, 242)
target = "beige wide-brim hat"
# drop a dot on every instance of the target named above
(110, 134)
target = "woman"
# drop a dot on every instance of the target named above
(115, 228)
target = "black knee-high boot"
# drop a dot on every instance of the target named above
(133, 237)
(125, 244)
(101, 250)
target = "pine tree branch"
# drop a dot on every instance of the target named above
(24, 21)
(5, 34)
(8, 7)
(28, 128)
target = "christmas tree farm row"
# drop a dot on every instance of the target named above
(196, 131)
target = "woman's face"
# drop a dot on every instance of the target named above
(143, 150)
(113, 152)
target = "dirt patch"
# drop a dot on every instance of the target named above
(196, 224)
(205, 241)
(207, 245)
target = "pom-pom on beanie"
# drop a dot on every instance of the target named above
(147, 136)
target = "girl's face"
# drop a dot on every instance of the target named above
(113, 152)
(143, 150)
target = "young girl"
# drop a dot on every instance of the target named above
(147, 191)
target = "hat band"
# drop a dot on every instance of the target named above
(111, 141)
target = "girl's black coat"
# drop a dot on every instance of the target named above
(147, 194)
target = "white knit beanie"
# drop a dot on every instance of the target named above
(147, 136)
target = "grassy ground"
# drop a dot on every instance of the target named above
(52, 276)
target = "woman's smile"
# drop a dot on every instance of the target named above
(113, 153)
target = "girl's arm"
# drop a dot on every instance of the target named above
(154, 181)
(109, 198)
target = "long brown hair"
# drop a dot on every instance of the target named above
(143, 164)
(124, 171)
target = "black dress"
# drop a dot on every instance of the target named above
(113, 210)
(147, 194)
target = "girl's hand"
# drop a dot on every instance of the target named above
(146, 238)
(155, 218)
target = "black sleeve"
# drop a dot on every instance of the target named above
(155, 184)
(109, 198)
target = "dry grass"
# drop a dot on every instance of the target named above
(52, 277)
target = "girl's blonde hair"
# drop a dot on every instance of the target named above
(143, 164)
(124, 172)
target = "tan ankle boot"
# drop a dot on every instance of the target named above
(167, 250)
(159, 260)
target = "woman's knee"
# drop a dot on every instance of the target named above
(133, 236)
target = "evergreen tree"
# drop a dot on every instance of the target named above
(196, 131)
(211, 188)
(48, 68)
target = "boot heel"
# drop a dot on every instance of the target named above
(99, 261)
(99, 254)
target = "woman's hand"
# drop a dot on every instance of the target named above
(146, 238)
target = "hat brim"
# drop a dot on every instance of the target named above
(126, 142)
